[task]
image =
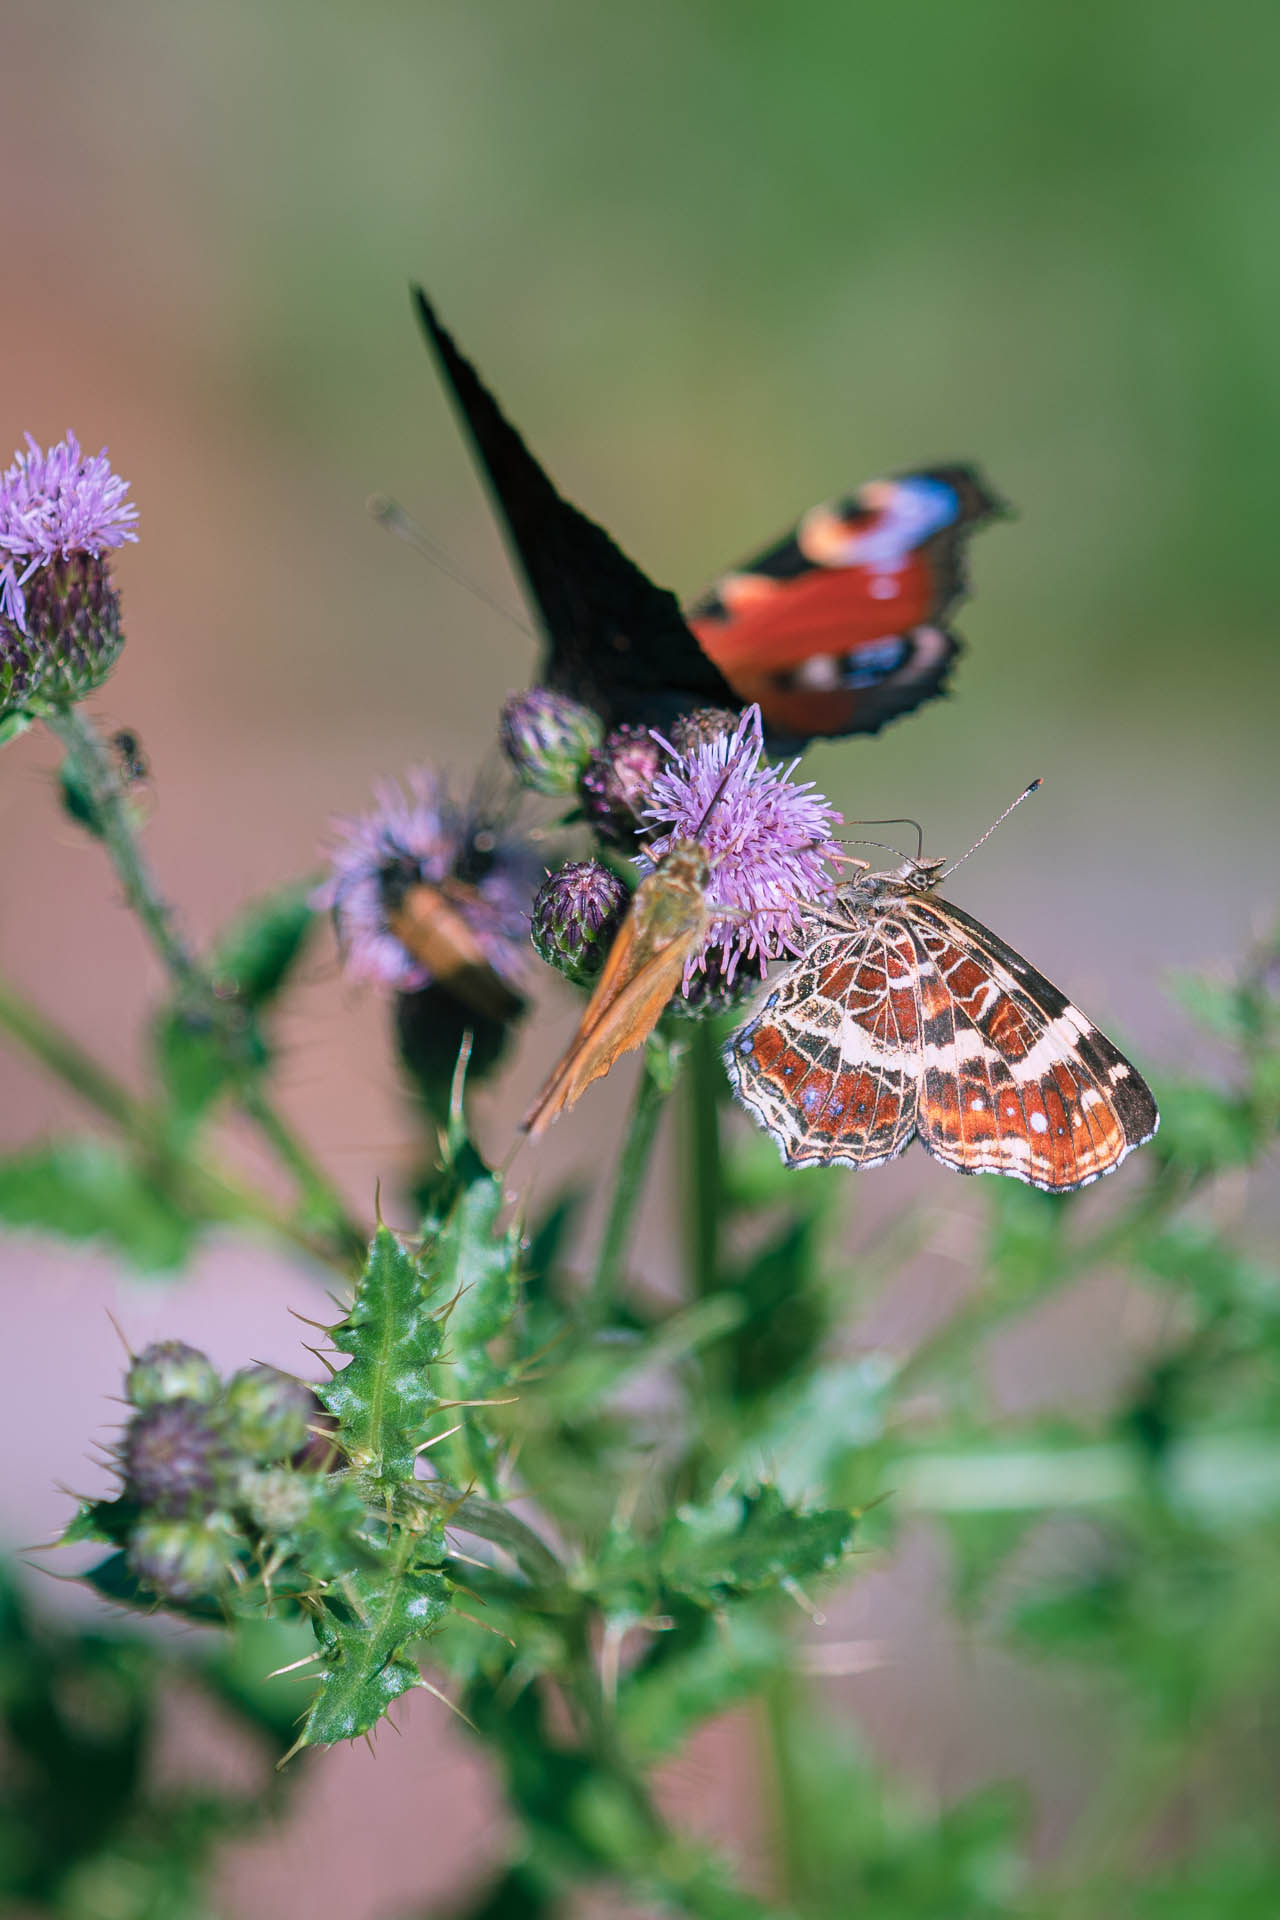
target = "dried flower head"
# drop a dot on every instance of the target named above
(63, 504)
(766, 837)
(422, 838)
(576, 914)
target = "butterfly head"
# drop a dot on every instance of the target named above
(920, 874)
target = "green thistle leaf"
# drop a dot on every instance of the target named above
(367, 1622)
(384, 1398)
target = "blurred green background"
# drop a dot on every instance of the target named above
(718, 261)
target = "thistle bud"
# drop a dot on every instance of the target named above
(267, 1413)
(175, 1459)
(21, 669)
(576, 914)
(275, 1498)
(548, 738)
(615, 787)
(178, 1559)
(170, 1370)
(73, 618)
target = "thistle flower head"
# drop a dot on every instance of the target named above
(62, 504)
(423, 838)
(548, 738)
(576, 913)
(767, 839)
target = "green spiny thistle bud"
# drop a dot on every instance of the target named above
(268, 1414)
(576, 915)
(21, 668)
(73, 616)
(175, 1458)
(170, 1370)
(178, 1559)
(275, 1498)
(548, 738)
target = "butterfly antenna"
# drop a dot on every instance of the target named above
(904, 821)
(390, 514)
(991, 829)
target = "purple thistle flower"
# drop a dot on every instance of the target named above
(57, 505)
(424, 837)
(766, 838)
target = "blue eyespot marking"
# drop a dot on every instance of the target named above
(810, 1098)
(746, 1043)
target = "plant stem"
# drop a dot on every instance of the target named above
(209, 1190)
(113, 821)
(637, 1149)
(704, 1183)
(67, 1060)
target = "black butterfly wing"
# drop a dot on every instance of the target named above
(614, 640)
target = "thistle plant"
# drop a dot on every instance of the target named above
(587, 1515)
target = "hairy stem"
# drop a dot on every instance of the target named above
(113, 820)
(637, 1150)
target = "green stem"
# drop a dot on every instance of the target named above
(637, 1149)
(209, 1191)
(113, 820)
(67, 1060)
(704, 1183)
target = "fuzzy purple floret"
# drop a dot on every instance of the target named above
(767, 839)
(55, 504)
(422, 836)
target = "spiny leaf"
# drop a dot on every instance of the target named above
(384, 1398)
(477, 1269)
(747, 1542)
(741, 1543)
(365, 1626)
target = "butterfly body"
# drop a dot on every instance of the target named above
(905, 1017)
(431, 923)
(667, 920)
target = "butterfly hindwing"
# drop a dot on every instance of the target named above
(614, 640)
(840, 626)
(830, 1064)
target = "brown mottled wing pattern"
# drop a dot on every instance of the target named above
(830, 1065)
(1015, 1079)
(919, 1019)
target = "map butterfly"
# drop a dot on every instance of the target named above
(906, 1017)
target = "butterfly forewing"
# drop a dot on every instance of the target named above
(1016, 1079)
(913, 1017)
